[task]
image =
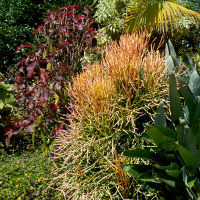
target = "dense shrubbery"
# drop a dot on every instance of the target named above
(175, 158)
(97, 112)
(63, 38)
(108, 101)
(7, 108)
(110, 17)
(17, 21)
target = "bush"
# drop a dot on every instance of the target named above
(18, 18)
(169, 161)
(62, 40)
(7, 108)
(175, 159)
(110, 17)
(107, 101)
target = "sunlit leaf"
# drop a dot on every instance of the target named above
(148, 14)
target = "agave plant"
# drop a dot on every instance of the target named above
(159, 14)
(174, 161)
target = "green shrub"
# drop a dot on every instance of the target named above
(7, 107)
(7, 99)
(110, 17)
(174, 156)
(175, 159)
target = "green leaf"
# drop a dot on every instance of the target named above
(42, 133)
(189, 141)
(197, 185)
(172, 166)
(146, 137)
(167, 53)
(1, 104)
(166, 179)
(40, 119)
(169, 156)
(191, 63)
(6, 98)
(147, 177)
(194, 83)
(33, 135)
(175, 102)
(172, 51)
(50, 49)
(169, 63)
(43, 137)
(189, 159)
(190, 101)
(6, 87)
(141, 172)
(173, 173)
(136, 170)
(160, 116)
(94, 2)
(191, 181)
(44, 54)
(163, 137)
(196, 124)
(180, 131)
(174, 57)
(149, 15)
(140, 153)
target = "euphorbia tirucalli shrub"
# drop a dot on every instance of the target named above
(62, 39)
(107, 101)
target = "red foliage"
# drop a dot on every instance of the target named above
(62, 39)
(22, 46)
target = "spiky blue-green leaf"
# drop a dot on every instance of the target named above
(160, 116)
(175, 102)
(194, 83)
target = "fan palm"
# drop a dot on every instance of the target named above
(159, 14)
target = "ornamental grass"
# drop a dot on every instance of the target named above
(110, 102)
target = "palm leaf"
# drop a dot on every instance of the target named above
(160, 14)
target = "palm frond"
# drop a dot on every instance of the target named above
(160, 14)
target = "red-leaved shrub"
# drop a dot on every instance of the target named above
(62, 38)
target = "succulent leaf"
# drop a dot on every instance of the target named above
(160, 116)
(194, 83)
(175, 102)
